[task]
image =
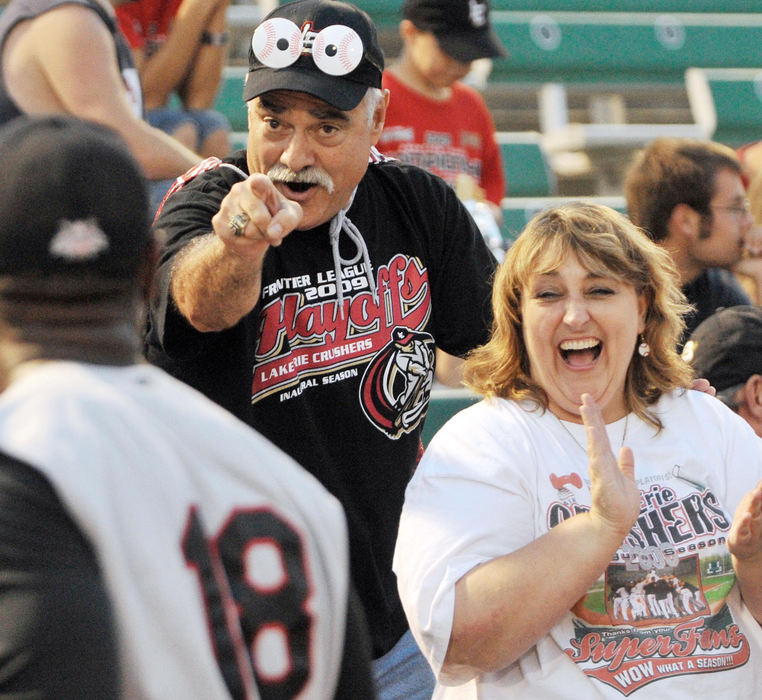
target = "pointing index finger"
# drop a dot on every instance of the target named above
(285, 213)
(265, 191)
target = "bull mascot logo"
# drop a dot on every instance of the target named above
(394, 392)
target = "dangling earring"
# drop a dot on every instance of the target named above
(643, 349)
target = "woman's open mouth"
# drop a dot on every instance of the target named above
(581, 352)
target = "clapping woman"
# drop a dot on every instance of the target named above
(588, 473)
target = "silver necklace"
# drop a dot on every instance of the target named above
(581, 446)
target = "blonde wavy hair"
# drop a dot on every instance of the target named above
(606, 243)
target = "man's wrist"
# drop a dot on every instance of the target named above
(215, 38)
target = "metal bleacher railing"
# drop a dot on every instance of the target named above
(609, 53)
(727, 102)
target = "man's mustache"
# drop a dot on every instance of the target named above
(311, 175)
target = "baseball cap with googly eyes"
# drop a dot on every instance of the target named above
(324, 48)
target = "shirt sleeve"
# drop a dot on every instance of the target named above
(185, 215)
(469, 502)
(57, 636)
(170, 341)
(461, 269)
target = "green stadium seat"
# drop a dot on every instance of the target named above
(527, 170)
(517, 211)
(230, 97)
(444, 404)
(728, 102)
(388, 12)
(385, 14)
(617, 47)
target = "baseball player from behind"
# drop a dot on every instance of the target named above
(151, 545)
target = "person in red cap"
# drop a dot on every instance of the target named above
(307, 281)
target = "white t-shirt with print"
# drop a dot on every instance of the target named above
(663, 616)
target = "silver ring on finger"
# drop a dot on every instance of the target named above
(238, 223)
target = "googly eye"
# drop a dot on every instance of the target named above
(337, 50)
(277, 42)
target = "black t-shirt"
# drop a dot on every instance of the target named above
(57, 634)
(713, 289)
(345, 396)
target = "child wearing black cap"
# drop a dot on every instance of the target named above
(434, 120)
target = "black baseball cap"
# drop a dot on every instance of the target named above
(726, 348)
(274, 44)
(72, 200)
(462, 27)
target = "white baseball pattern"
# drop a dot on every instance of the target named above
(266, 43)
(348, 45)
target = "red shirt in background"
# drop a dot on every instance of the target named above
(145, 23)
(444, 137)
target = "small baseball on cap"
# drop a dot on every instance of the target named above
(325, 48)
(462, 27)
(726, 348)
(72, 200)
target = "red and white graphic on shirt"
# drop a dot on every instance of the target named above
(661, 608)
(305, 341)
(395, 388)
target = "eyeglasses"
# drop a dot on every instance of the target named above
(743, 209)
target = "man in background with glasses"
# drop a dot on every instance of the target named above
(307, 281)
(688, 196)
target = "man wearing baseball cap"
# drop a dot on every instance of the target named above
(307, 281)
(726, 349)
